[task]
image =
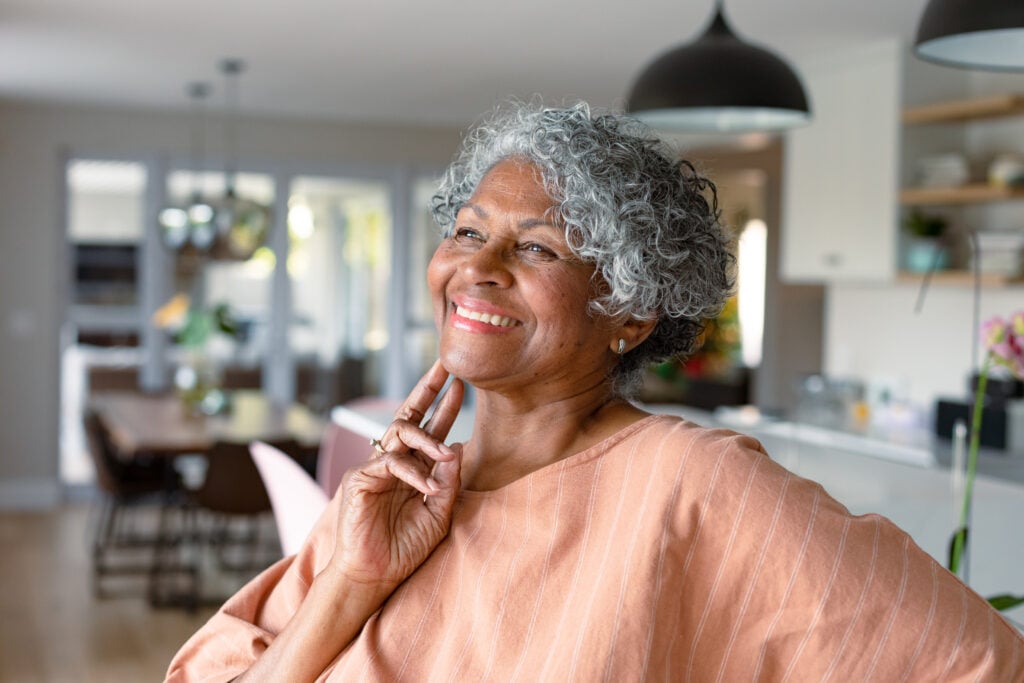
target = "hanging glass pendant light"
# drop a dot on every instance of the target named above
(719, 83)
(241, 224)
(192, 224)
(973, 34)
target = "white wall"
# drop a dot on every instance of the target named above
(33, 275)
(871, 331)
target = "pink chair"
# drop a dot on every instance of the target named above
(346, 443)
(296, 498)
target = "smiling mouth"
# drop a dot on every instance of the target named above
(487, 318)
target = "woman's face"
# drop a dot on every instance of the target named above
(510, 298)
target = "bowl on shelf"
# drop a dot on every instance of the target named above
(942, 170)
(923, 254)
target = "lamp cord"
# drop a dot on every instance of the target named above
(198, 93)
(231, 69)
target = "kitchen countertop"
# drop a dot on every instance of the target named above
(921, 448)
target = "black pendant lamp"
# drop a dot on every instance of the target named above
(973, 34)
(719, 83)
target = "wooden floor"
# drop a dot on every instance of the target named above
(52, 629)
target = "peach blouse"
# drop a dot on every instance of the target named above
(666, 552)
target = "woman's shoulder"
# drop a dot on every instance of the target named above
(712, 468)
(659, 432)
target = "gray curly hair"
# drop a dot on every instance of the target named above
(647, 220)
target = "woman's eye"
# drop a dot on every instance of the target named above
(467, 233)
(535, 248)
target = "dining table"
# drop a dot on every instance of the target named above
(162, 425)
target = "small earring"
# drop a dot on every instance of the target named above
(622, 347)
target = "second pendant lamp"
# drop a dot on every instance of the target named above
(719, 83)
(973, 34)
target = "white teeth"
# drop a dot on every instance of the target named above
(496, 320)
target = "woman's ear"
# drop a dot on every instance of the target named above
(631, 334)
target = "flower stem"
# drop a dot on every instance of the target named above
(959, 539)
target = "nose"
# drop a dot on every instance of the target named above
(488, 265)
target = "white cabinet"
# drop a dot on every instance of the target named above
(839, 208)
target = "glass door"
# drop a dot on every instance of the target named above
(211, 278)
(421, 341)
(340, 236)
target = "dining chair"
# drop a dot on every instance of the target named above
(220, 538)
(296, 498)
(233, 495)
(130, 491)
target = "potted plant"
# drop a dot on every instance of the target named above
(198, 378)
(924, 250)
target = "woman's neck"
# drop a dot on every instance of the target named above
(514, 436)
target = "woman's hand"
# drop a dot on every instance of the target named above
(397, 507)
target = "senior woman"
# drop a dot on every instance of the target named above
(573, 536)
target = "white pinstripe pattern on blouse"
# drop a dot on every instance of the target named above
(480, 579)
(927, 625)
(836, 561)
(652, 475)
(722, 564)
(758, 566)
(1016, 654)
(662, 550)
(570, 597)
(855, 617)
(376, 651)
(689, 559)
(959, 634)
(435, 591)
(633, 536)
(441, 576)
(543, 578)
(789, 586)
(894, 612)
(602, 567)
(988, 655)
(499, 619)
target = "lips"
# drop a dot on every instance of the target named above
(494, 319)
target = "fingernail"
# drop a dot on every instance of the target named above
(446, 449)
(433, 485)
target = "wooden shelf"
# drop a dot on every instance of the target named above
(961, 278)
(964, 110)
(960, 194)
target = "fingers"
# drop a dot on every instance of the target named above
(430, 437)
(448, 477)
(447, 410)
(415, 407)
(429, 478)
(408, 451)
(410, 471)
(411, 437)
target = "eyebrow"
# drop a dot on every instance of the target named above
(525, 224)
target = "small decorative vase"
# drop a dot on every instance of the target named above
(197, 382)
(923, 254)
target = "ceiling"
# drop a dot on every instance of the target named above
(415, 61)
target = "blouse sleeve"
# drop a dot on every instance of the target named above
(797, 587)
(242, 629)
